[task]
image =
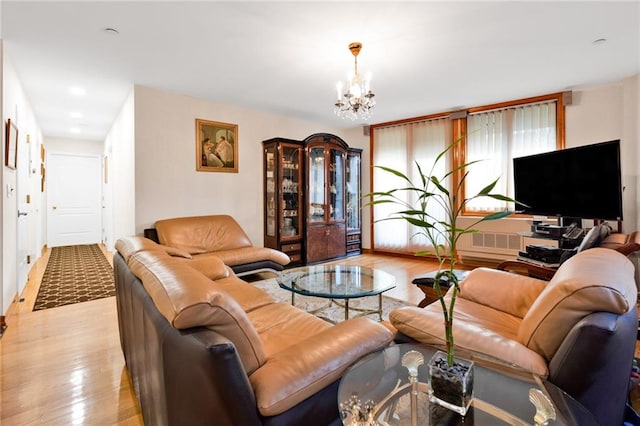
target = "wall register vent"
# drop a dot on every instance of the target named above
(496, 240)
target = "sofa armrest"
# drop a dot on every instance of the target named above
(628, 248)
(528, 269)
(302, 370)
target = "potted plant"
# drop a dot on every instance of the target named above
(443, 235)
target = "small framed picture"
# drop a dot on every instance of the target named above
(11, 145)
(216, 146)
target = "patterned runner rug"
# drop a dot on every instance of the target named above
(75, 274)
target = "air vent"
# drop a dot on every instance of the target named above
(496, 240)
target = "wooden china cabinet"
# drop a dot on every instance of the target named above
(283, 186)
(326, 234)
(312, 198)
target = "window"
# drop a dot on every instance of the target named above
(495, 135)
(495, 138)
(399, 147)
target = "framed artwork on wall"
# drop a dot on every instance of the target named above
(216, 146)
(11, 145)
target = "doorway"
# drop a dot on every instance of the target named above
(73, 199)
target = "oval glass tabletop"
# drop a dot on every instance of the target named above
(377, 390)
(336, 281)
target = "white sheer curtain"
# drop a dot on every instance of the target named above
(399, 147)
(495, 138)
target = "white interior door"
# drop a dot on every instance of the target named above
(73, 199)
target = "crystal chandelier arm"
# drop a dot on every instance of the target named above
(357, 99)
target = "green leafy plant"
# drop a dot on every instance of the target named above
(442, 233)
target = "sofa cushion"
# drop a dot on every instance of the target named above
(593, 280)
(301, 370)
(483, 331)
(510, 293)
(202, 234)
(187, 298)
(281, 325)
(248, 296)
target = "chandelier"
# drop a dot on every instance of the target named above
(358, 99)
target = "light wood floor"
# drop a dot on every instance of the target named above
(64, 366)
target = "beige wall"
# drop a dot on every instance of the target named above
(166, 181)
(604, 113)
(167, 185)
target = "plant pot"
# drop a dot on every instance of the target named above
(451, 386)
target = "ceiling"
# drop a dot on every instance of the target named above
(286, 58)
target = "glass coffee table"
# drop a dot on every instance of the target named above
(339, 284)
(378, 390)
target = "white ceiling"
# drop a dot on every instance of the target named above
(285, 58)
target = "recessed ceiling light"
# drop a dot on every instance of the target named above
(111, 31)
(599, 41)
(77, 91)
(75, 130)
(75, 115)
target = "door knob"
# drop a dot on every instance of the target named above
(54, 207)
(22, 213)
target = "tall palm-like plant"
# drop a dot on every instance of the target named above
(444, 233)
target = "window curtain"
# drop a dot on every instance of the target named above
(495, 138)
(400, 147)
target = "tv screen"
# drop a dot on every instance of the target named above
(581, 182)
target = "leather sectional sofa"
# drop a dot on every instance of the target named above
(219, 236)
(577, 330)
(204, 347)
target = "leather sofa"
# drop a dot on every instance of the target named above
(217, 236)
(205, 347)
(577, 330)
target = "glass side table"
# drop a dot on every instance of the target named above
(377, 390)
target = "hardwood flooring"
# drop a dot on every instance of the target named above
(64, 366)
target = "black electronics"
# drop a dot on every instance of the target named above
(555, 231)
(581, 182)
(539, 260)
(548, 251)
(541, 255)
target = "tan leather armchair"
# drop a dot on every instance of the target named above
(577, 330)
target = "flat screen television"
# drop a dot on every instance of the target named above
(582, 182)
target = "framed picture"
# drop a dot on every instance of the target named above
(216, 146)
(11, 145)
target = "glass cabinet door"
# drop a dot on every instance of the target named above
(336, 185)
(291, 190)
(270, 190)
(316, 184)
(353, 192)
